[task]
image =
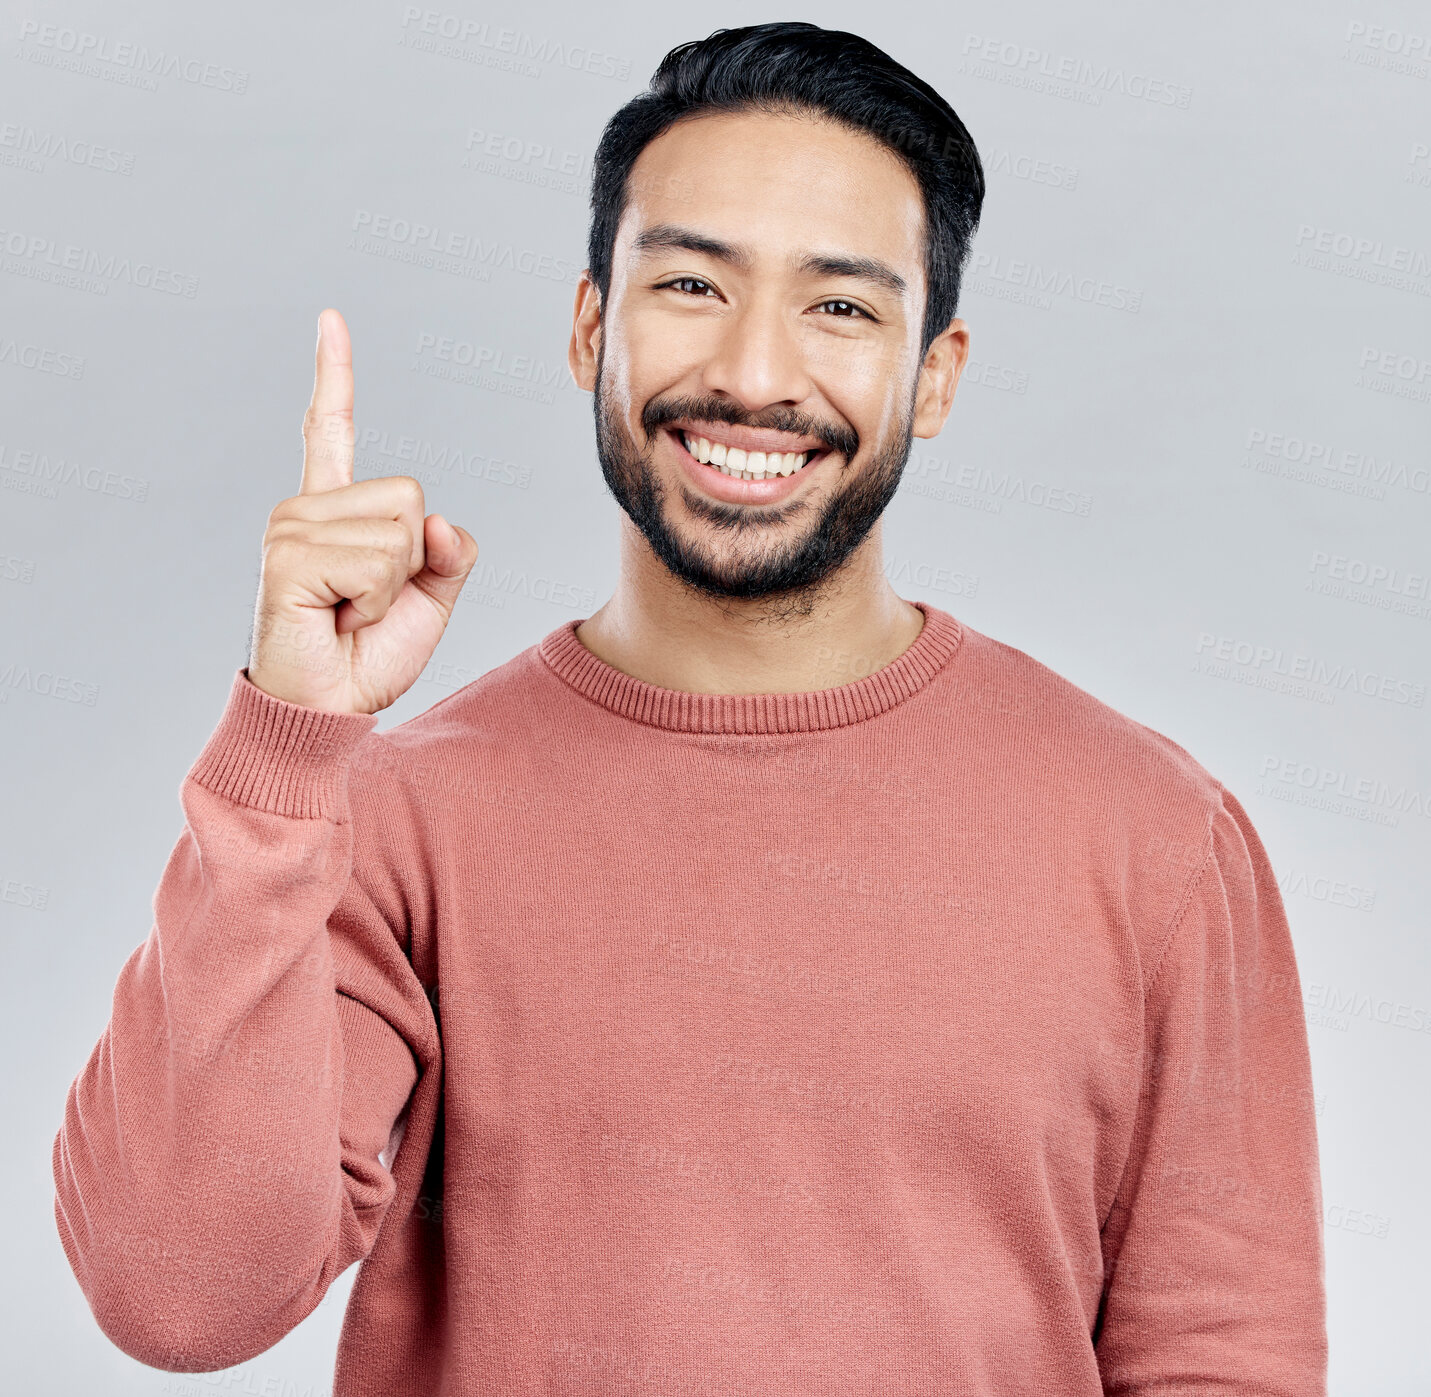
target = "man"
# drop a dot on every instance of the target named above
(765, 985)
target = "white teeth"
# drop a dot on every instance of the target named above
(745, 465)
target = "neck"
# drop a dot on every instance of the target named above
(659, 630)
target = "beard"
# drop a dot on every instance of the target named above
(796, 549)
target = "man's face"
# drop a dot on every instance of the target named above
(764, 317)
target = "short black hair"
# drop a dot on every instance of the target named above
(798, 66)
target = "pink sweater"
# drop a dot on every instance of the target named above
(936, 1033)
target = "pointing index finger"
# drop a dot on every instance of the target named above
(328, 424)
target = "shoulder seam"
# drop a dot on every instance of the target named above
(1183, 903)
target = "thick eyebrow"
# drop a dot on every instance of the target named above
(671, 237)
(860, 268)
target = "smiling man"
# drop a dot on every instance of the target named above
(765, 985)
(773, 283)
(761, 340)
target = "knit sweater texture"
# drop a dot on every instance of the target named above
(936, 1033)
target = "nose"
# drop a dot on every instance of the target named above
(759, 359)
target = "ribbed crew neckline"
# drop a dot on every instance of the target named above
(805, 711)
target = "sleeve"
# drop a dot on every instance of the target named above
(221, 1157)
(1213, 1262)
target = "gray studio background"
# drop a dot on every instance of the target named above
(1199, 305)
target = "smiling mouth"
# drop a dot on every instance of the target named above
(746, 465)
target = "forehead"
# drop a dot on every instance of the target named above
(780, 184)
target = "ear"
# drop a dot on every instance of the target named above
(581, 353)
(938, 378)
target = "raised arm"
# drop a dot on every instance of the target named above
(218, 1164)
(222, 1156)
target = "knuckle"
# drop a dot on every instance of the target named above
(393, 537)
(286, 511)
(332, 424)
(280, 552)
(379, 568)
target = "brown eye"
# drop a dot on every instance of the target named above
(686, 283)
(846, 310)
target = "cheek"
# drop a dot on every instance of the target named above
(617, 389)
(863, 367)
(655, 355)
(895, 388)
(666, 349)
(867, 384)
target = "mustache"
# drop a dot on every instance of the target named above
(660, 412)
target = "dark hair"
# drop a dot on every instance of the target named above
(795, 66)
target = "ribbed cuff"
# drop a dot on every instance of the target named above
(278, 756)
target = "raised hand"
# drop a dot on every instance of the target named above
(357, 586)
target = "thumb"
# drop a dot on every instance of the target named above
(451, 554)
